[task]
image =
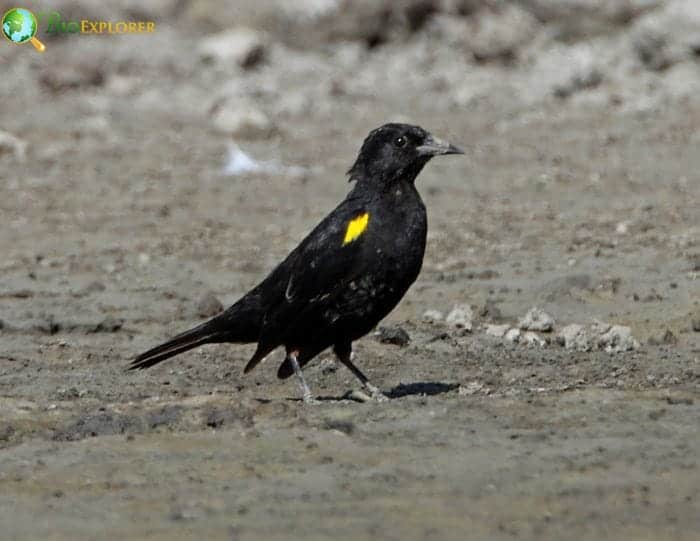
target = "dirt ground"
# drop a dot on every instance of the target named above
(117, 218)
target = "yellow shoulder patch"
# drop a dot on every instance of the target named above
(356, 227)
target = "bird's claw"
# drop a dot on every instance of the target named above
(378, 395)
(372, 394)
(310, 400)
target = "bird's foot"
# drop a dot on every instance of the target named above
(309, 399)
(372, 394)
(376, 393)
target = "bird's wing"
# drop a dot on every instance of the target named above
(324, 262)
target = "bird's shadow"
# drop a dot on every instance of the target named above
(421, 388)
(426, 388)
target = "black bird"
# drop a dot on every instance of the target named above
(345, 276)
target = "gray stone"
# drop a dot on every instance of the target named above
(617, 339)
(461, 317)
(393, 335)
(108, 324)
(497, 331)
(537, 320)
(470, 388)
(599, 327)
(433, 316)
(530, 338)
(513, 335)
(575, 337)
(208, 305)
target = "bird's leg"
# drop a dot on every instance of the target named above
(306, 392)
(345, 356)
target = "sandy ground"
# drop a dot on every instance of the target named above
(119, 220)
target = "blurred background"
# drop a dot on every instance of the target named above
(147, 180)
(214, 143)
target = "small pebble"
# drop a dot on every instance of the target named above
(513, 335)
(393, 335)
(490, 311)
(532, 339)
(433, 316)
(358, 396)
(461, 317)
(470, 388)
(537, 320)
(574, 337)
(208, 305)
(497, 330)
(108, 324)
(618, 339)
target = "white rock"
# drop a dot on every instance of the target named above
(244, 46)
(537, 320)
(433, 316)
(575, 337)
(498, 331)
(513, 335)
(239, 162)
(618, 339)
(530, 338)
(470, 388)
(461, 317)
(599, 327)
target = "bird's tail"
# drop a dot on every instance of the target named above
(240, 323)
(200, 335)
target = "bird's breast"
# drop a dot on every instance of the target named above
(398, 231)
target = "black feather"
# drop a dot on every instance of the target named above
(335, 286)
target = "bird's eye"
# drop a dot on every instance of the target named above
(400, 141)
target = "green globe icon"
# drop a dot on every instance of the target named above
(19, 26)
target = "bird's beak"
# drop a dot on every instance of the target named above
(433, 146)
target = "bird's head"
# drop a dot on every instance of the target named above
(397, 151)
